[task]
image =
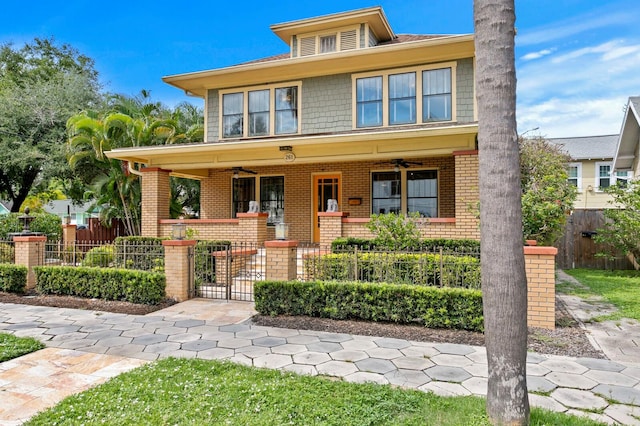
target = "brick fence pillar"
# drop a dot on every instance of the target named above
(69, 233)
(282, 262)
(330, 226)
(253, 227)
(30, 252)
(156, 193)
(541, 286)
(179, 267)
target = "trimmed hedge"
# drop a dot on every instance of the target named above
(100, 256)
(13, 278)
(398, 268)
(102, 283)
(429, 244)
(453, 308)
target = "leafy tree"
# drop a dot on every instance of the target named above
(41, 85)
(547, 195)
(621, 231)
(504, 283)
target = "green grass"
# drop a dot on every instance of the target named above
(13, 347)
(195, 392)
(620, 288)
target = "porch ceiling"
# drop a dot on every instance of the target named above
(195, 160)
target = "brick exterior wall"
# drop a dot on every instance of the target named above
(541, 286)
(156, 193)
(464, 91)
(326, 104)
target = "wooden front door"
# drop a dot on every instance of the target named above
(325, 187)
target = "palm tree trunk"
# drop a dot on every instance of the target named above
(504, 284)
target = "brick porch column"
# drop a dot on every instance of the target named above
(253, 227)
(29, 252)
(330, 226)
(179, 268)
(156, 193)
(69, 234)
(282, 259)
(467, 194)
(541, 286)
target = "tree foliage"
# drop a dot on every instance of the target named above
(41, 85)
(547, 195)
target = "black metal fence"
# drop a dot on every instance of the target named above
(7, 251)
(139, 255)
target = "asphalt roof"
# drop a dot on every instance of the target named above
(589, 147)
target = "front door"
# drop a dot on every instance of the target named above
(325, 188)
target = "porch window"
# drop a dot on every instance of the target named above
(244, 190)
(369, 101)
(272, 198)
(402, 98)
(259, 112)
(286, 110)
(232, 111)
(386, 193)
(422, 192)
(436, 95)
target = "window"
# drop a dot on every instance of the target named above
(603, 175)
(232, 112)
(575, 175)
(389, 98)
(386, 189)
(422, 192)
(623, 178)
(436, 95)
(369, 101)
(328, 43)
(271, 190)
(261, 111)
(402, 98)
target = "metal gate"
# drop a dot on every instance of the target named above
(228, 271)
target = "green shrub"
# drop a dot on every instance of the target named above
(432, 307)
(7, 253)
(427, 244)
(141, 253)
(101, 283)
(400, 268)
(46, 223)
(395, 231)
(13, 278)
(100, 256)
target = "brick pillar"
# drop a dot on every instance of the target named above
(207, 201)
(330, 226)
(69, 234)
(156, 193)
(253, 227)
(282, 259)
(179, 268)
(467, 194)
(29, 252)
(541, 286)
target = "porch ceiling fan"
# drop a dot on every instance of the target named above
(399, 162)
(237, 170)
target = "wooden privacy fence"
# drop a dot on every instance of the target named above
(578, 249)
(95, 231)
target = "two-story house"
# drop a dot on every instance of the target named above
(352, 112)
(627, 154)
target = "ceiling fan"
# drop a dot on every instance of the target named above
(237, 170)
(399, 162)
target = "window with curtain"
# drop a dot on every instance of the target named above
(286, 110)
(328, 43)
(402, 98)
(422, 192)
(232, 112)
(386, 193)
(259, 112)
(369, 101)
(272, 198)
(436, 95)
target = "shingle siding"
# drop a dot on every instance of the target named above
(213, 120)
(326, 104)
(464, 86)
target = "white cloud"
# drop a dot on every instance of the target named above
(537, 55)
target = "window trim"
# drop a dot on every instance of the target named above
(385, 93)
(257, 188)
(324, 33)
(578, 166)
(245, 109)
(404, 186)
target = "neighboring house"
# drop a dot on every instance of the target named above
(352, 112)
(627, 155)
(4, 209)
(78, 213)
(591, 168)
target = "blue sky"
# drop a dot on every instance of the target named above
(577, 60)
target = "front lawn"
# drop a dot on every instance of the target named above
(194, 392)
(620, 288)
(13, 347)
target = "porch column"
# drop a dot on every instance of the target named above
(207, 201)
(467, 194)
(330, 226)
(179, 263)
(29, 252)
(253, 227)
(282, 259)
(156, 193)
(541, 286)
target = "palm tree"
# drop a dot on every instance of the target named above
(504, 284)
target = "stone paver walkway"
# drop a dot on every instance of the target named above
(605, 390)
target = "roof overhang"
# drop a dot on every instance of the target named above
(432, 50)
(372, 16)
(195, 160)
(627, 148)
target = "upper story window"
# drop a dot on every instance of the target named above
(261, 111)
(335, 40)
(328, 43)
(389, 98)
(605, 177)
(575, 175)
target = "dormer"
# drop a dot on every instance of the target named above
(358, 29)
